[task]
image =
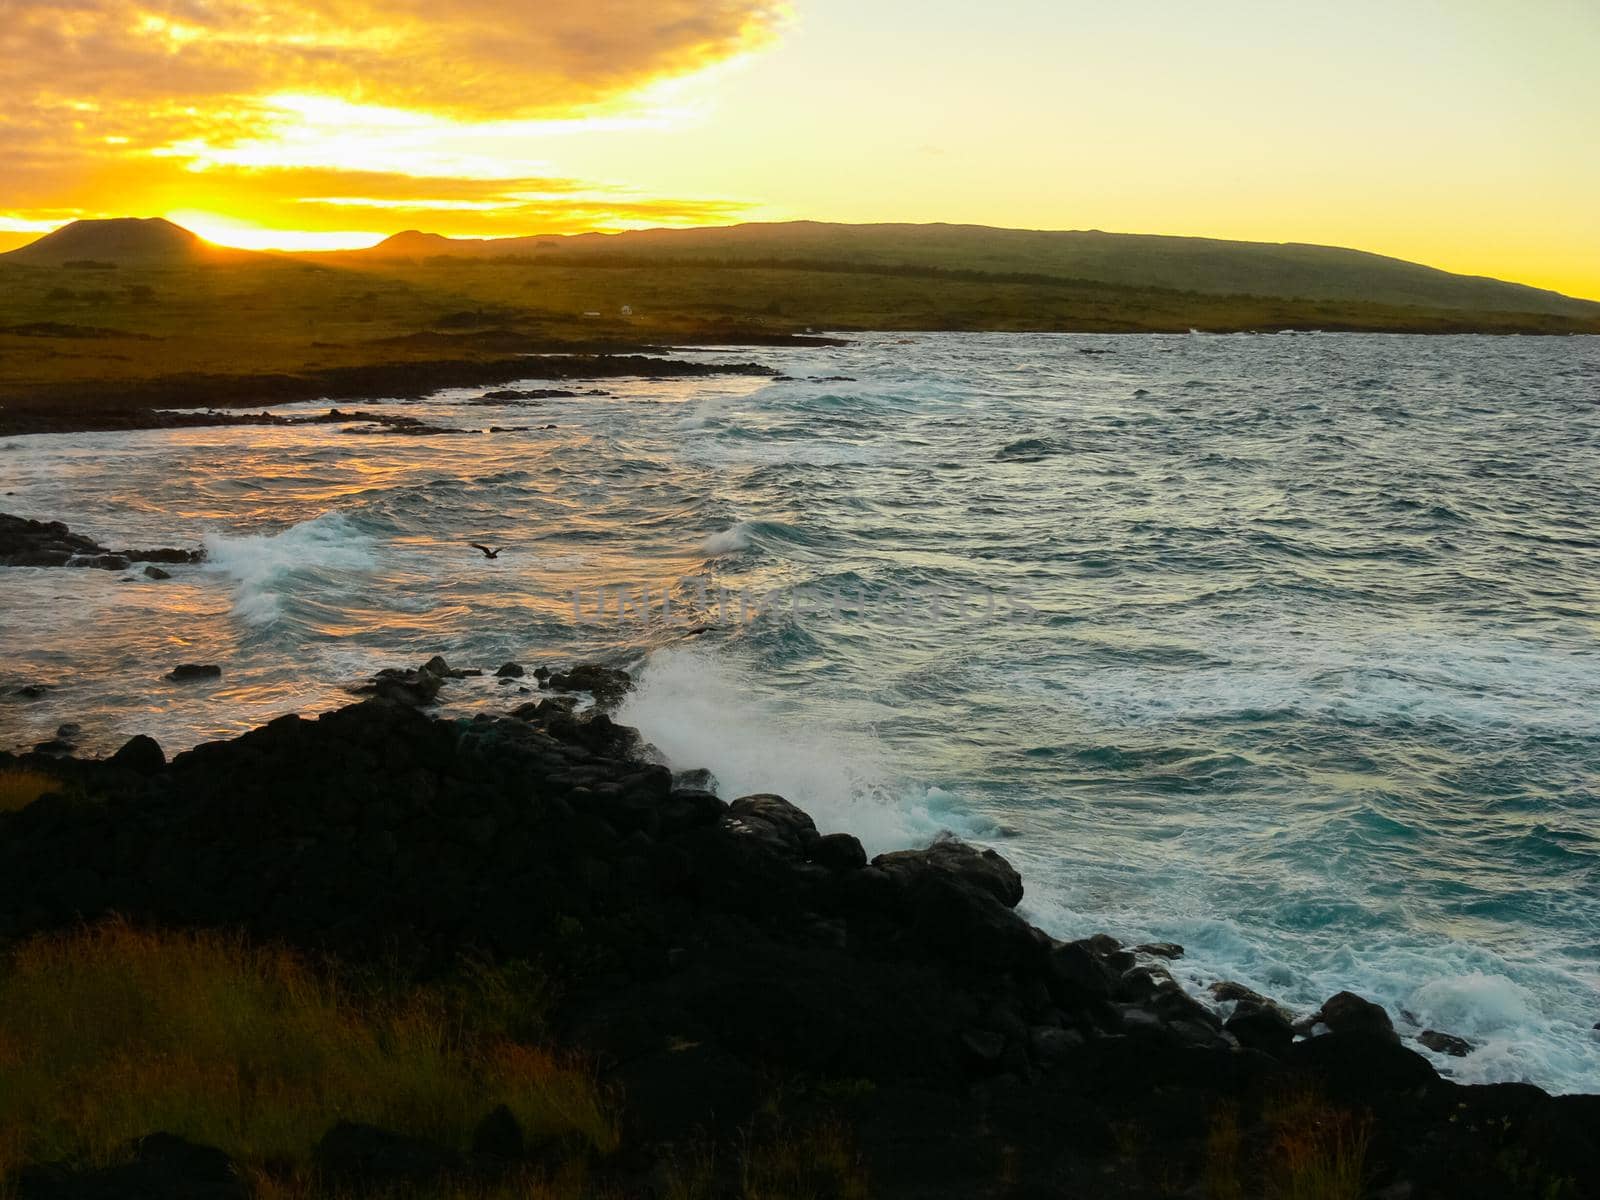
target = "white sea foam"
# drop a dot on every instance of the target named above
(1533, 1028)
(263, 567)
(695, 707)
(1470, 680)
(735, 537)
(1471, 1004)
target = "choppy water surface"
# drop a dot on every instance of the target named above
(1313, 685)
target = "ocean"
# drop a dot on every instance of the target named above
(1285, 648)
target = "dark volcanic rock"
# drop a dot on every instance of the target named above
(709, 953)
(773, 820)
(416, 688)
(1346, 1012)
(522, 396)
(983, 870)
(140, 753)
(1160, 949)
(1226, 989)
(1445, 1043)
(697, 778)
(28, 543)
(1362, 1062)
(606, 684)
(839, 852)
(189, 672)
(1261, 1027)
(510, 670)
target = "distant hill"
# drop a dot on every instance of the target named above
(413, 243)
(143, 240)
(1207, 265)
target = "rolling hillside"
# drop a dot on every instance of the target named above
(122, 240)
(1182, 264)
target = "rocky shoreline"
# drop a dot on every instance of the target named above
(29, 543)
(143, 404)
(714, 952)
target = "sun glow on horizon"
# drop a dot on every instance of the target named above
(238, 234)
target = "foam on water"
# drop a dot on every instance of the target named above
(265, 568)
(700, 710)
(736, 537)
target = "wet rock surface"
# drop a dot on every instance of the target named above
(29, 543)
(714, 950)
(1445, 1043)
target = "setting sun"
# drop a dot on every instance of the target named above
(229, 231)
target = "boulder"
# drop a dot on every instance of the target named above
(958, 902)
(838, 852)
(1226, 990)
(697, 778)
(1362, 1063)
(773, 820)
(1261, 1027)
(191, 672)
(982, 870)
(1445, 1043)
(29, 543)
(606, 684)
(1346, 1012)
(1160, 949)
(1079, 971)
(140, 753)
(412, 688)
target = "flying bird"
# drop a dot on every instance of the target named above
(487, 553)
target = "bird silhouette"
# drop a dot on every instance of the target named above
(487, 553)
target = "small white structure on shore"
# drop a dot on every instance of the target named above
(627, 310)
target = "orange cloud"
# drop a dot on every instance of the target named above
(304, 110)
(470, 58)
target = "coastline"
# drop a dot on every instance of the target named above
(143, 404)
(102, 405)
(777, 954)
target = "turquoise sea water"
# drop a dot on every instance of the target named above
(1294, 654)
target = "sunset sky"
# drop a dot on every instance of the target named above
(1460, 133)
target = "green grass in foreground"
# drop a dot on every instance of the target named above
(112, 1033)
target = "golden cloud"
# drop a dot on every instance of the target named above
(465, 58)
(266, 108)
